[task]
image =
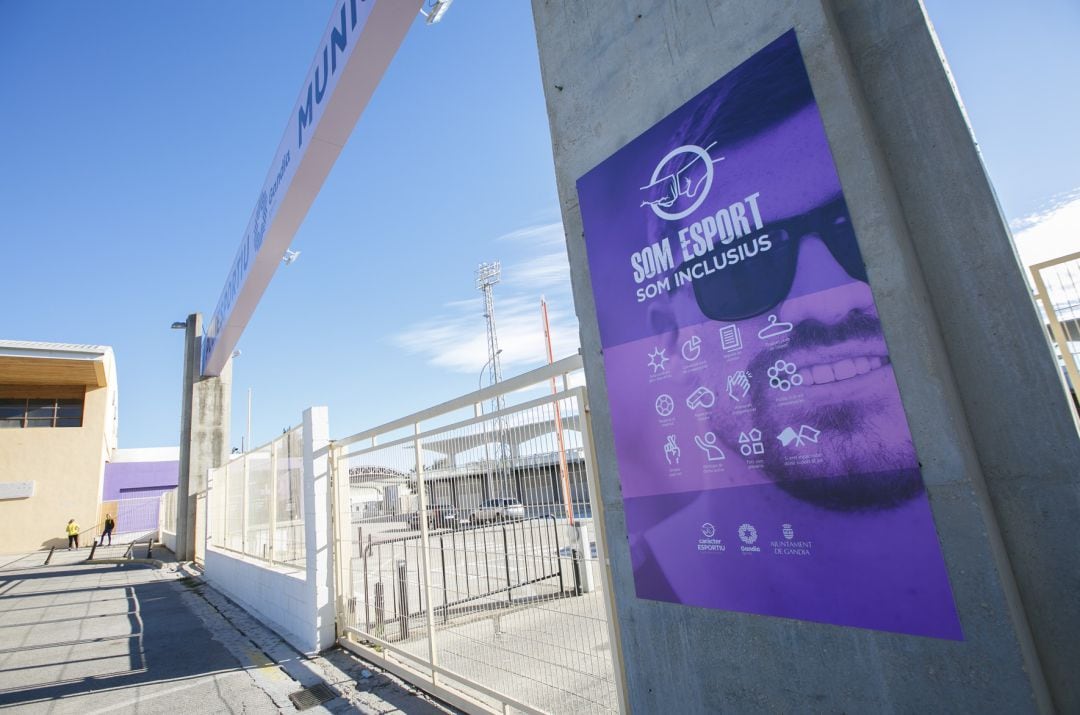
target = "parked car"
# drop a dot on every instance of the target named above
(499, 510)
(440, 516)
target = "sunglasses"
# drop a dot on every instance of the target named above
(757, 284)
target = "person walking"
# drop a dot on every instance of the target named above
(72, 534)
(109, 526)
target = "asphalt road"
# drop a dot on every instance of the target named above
(96, 638)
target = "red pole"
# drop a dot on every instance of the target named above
(564, 471)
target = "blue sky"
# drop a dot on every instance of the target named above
(137, 137)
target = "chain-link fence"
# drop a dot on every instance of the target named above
(256, 502)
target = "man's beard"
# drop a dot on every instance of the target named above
(868, 462)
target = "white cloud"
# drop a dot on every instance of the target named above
(551, 270)
(1049, 233)
(547, 235)
(456, 339)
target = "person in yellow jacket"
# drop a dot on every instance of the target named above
(73, 534)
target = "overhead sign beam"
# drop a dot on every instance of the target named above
(356, 48)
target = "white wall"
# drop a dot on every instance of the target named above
(280, 598)
(298, 605)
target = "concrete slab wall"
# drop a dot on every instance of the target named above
(932, 239)
(168, 538)
(297, 604)
(281, 599)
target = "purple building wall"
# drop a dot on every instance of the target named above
(131, 479)
(132, 484)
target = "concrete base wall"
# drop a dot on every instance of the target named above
(298, 605)
(168, 538)
(994, 436)
(280, 599)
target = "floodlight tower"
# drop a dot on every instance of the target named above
(487, 275)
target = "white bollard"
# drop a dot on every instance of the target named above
(585, 558)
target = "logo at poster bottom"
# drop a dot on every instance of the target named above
(748, 535)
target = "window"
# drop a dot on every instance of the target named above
(18, 412)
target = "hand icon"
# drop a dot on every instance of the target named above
(738, 385)
(671, 450)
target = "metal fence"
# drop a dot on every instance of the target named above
(1057, 288)
(256, 502)
(476, 554)
(137, 518)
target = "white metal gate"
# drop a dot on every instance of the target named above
(475, 548)
(1057, 287)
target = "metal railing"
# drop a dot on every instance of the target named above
(256, 503)
(1057, 288)
(137, 518)
(476, 566)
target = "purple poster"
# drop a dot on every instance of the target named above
(766, 462)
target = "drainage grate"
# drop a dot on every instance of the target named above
(310, 697)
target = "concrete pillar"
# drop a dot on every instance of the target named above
(211, 400)
(204, 440)
(317, 507)
(995, 439)
(192, 364)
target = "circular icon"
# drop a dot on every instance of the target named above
(782, 376)
(665, 405)
(703, 192)
(691, 349)
(708, 530)
(747, 534)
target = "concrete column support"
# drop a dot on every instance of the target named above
(317, 536)
(204, 440)
(992, 428)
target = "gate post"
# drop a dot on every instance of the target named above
(425, 554)
(403, 598)
(318, 503)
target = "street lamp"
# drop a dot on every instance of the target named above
(480, 379)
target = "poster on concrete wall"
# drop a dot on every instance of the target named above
(766, 462)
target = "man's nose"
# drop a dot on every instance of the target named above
(822, 289)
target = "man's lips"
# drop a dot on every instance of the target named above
(840, 370)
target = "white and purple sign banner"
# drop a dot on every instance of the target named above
(356, 48)
(766, 462)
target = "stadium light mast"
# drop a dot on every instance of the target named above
(487, 275)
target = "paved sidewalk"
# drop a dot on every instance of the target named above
(132, 638)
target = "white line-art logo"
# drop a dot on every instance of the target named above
(738, 385)
(262, 215)
(747, 534)
(671, 450)
(783, 375)
(691, 349)
(805, 434)
(692, 181)
(707, 444)
(701, 397)
(657, 359)
(775, 328)
(665, 405)
(750, 442)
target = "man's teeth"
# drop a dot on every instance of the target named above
(840, 370)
